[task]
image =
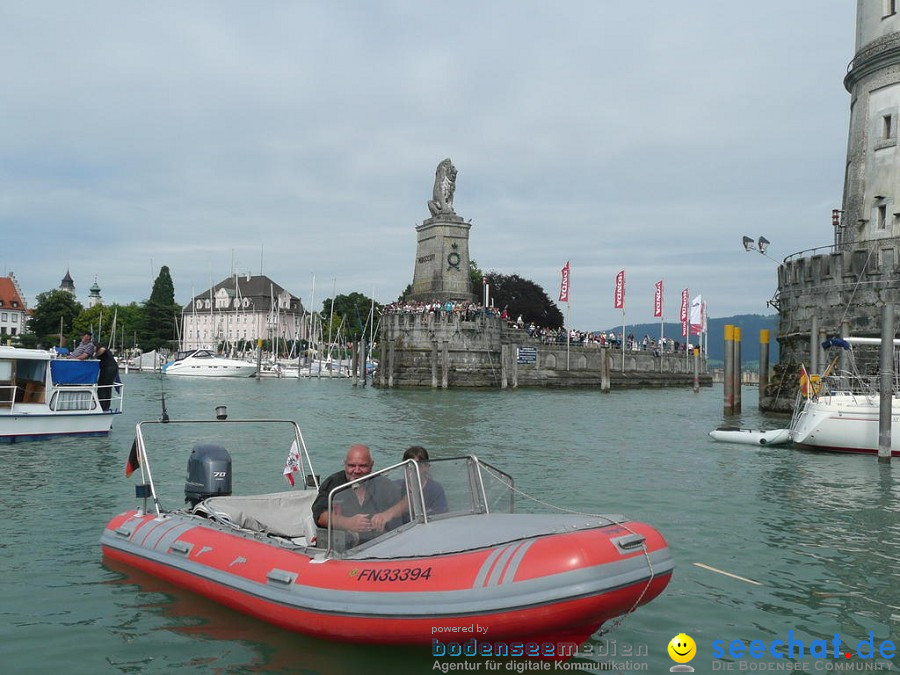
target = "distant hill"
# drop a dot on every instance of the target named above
(750, 325)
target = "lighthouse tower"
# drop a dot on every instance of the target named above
(841, 289)
(871, 204)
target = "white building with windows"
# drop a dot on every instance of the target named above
(242, 309)
(13, 313)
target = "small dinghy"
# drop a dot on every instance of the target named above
(751, 436)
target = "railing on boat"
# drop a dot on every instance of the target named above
(468, 486)
(148, 489)
(60, 398)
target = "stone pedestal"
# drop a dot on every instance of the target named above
(442, 260)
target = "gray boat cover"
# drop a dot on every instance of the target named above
(283, 514)
(465, 533)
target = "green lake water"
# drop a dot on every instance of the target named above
(819, 533)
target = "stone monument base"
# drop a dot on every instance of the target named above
(442, 260)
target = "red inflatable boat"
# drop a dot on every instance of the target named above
(479, 568)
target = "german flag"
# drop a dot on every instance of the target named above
(133, 459)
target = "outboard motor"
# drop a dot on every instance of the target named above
(208, 473)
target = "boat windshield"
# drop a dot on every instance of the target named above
(195, 353)
(412, 493)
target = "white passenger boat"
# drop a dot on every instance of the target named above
(205, 363)
(42, 397)
(840, 412)
(751, 436)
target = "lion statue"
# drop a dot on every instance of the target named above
(444, 187)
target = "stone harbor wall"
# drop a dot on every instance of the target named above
(445, 350)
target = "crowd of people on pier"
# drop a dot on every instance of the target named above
(467, 311)
(464, 309)
(601, 339)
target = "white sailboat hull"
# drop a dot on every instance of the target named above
(844, 422)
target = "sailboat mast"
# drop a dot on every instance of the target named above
(331, 316)
(212, 316)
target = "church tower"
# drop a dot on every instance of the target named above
(67, 284)
(94, 297)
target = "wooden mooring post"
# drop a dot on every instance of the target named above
(728, 408)
(886, 383)
(604, 369)
(736, 347)
(696, 351)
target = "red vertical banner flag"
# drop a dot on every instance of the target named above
(684, 313)
(658, 300)
(619, 296)
(564, 284)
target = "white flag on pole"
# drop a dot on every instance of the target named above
(696, 315)
(292, 465)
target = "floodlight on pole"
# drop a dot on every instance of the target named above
(759, 246)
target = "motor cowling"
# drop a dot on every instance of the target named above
(208, 473)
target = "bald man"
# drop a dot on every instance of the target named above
(368, 509)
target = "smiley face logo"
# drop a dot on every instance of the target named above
(682, 648)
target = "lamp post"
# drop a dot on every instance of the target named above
(837, 221)
(760, 246)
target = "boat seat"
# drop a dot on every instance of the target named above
(283, 514)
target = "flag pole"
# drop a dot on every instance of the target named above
(658, 311)
(662, 345)
(564, 297)
(623, 337)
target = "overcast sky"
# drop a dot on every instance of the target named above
(301, 139)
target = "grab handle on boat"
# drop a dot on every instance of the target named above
(629, 542)
(182, 547)
(280, 577)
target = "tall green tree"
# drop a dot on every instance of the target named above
(99, 320)
(520, 296)
(476, 279)
(53, 309)
(353, 310)
(129, 323)
(405, 294)
(161, 314)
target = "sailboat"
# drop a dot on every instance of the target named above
(839, 411)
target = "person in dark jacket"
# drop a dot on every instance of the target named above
(109, 370)
(367, 511)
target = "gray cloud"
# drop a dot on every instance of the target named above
(305, 135)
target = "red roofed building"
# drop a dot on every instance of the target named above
(13, 313)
